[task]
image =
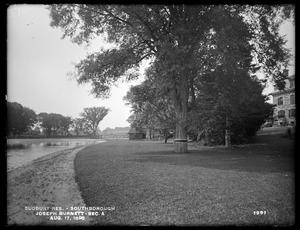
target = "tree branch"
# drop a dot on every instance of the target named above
(145, 23)
(133, 27)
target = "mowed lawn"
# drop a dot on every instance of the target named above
(149, 184)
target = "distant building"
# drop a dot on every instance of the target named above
(117, 132)
(136, 134)
(284, 101)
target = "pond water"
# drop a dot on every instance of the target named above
(22, 151)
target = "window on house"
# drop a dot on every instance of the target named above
(281, 114)
(280, 101)
(292, 83)
(292, 99)
(292, 112)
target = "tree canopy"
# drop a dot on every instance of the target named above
(92, 117)
(23, 120)
(54, 123)
(78, 125)
(151, 107)
(19, 118)
(182, 42)
(232, 103)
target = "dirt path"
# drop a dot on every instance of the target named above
(48, 182)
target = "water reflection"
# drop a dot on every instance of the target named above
(20, 151)
(16, 146)
(47, 144)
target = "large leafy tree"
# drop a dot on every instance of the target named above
(54, 123)
(229, 108)
(152, 108)
(224, 81)
(92, 117)
(77, 125)
(19, 119)
(178, 39)
(46, 123)
(65, 124)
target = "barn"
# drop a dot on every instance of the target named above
(136, 134)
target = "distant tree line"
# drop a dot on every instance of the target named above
(24, 121)
(20, 118)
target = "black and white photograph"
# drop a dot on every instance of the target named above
(150, 115)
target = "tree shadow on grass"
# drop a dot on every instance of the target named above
(270, 156)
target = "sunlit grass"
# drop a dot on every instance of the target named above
(149, 184)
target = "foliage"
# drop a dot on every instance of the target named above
(152, 108)
(92, 117)
(22, 120)
(33, 131)
(65, 123)
(77, 125)
(19, 118)
(245, 107)
(143, 31)
(53, 123)
(183, 42)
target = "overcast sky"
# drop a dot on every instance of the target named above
(38, 62)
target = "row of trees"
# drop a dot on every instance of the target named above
(22, 120)
(190, 49)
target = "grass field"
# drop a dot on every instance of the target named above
(148, 184)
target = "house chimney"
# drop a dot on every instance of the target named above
(286, 72)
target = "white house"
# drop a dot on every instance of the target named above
(284, 101)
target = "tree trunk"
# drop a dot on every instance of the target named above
(180, 105)
(227, 133)
(180, 141)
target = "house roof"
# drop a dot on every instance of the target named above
(136, 130)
